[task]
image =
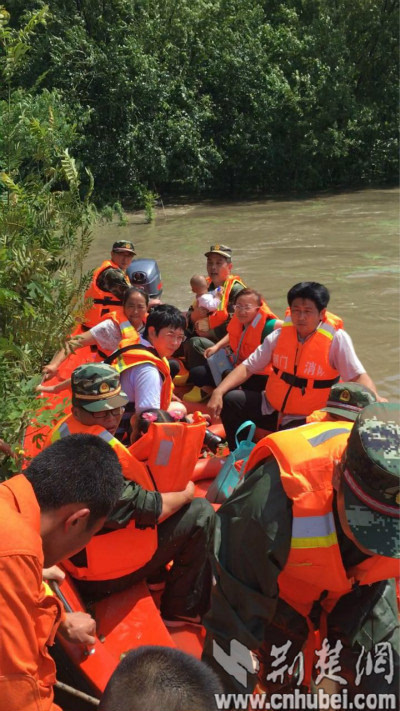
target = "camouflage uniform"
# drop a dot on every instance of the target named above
(252, 545)
(196, 345)
(185, 537)
(114, 280)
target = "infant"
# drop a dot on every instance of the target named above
(205, 299)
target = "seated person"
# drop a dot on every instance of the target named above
(306, 550)
(109, 283)
(219, 267)
(152, 678)
(345, 401)
(308, 355)
(145, 369)
(146, 529)
(108, 333)
(251, 322)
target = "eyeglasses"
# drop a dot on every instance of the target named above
(246, 309)
(116, 412)
(177, 337)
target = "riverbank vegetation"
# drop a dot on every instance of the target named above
(223, 97)
(45, 217)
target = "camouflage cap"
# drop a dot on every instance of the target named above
(220, 249)
(347, 399)
(371, 479)
(97, 387)
(123, 246)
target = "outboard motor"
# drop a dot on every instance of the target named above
(145, 274)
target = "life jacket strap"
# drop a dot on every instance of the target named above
(107, 301)
(302, 383)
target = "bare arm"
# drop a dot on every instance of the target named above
(174, 500)
(86, 339)
(236, 377)
(221, 344)
(364, 379)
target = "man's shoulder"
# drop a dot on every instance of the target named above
(343, 339)
(18, 533)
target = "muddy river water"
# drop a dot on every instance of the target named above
(348, 241)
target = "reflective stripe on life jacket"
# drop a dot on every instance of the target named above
(171, 451)
(128, 356)
(221, 314)
(244, 344)
(103, 301)
(111, 553)
(314, 571)
(128, 332)
(302, 375)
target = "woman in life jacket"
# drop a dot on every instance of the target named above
(252, 321)
(126, 323)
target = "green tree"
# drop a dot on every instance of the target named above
(45, 218)
(233, 96)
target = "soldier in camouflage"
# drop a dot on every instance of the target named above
(258, 546)
(345, 402)
(114, 279)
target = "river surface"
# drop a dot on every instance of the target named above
(348, 241)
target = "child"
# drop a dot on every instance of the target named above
(205, 299)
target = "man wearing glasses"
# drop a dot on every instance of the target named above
(146, 529)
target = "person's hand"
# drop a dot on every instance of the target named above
(189, 491)
(49, 371)
(204, 333)
(53, 573)
(381, 399)
(210, 351)
(78, 627)
(215, 403)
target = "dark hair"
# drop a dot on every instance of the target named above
(318, 293)
(79, 468)
(152, 414)
(154, 678)
(249, 292)
(135, 290)
(164, 316)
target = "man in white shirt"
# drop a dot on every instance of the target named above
(311, 345)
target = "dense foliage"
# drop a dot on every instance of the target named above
(45, 233)
(227, 96)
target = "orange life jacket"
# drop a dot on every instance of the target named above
(244, 342)
(128, 332)
(170, 451)
(139, 354)
(112, 553)
(302, 376)
(306, 457)
(103, 301)
(221, 314)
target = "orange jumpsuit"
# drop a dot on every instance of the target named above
(29, 618)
